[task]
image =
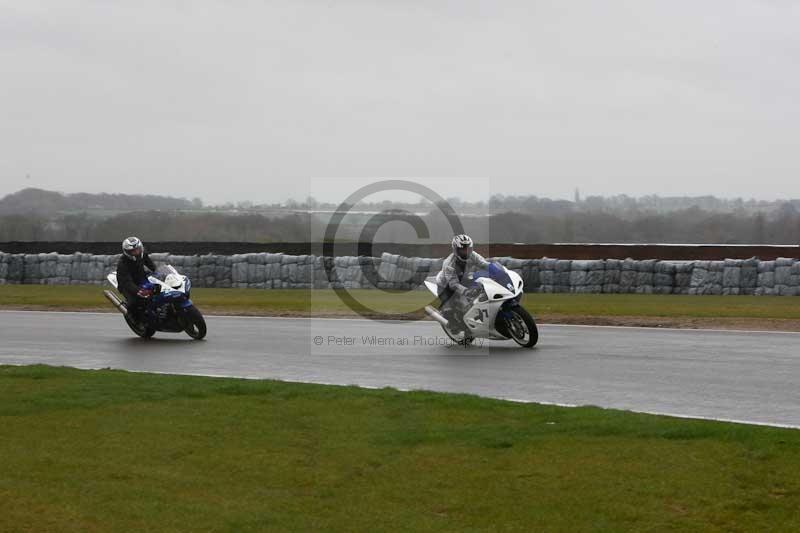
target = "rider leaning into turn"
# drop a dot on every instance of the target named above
(131, 273)
(451, 280)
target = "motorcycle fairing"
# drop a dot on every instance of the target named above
(170, 290)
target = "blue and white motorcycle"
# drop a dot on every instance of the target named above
(169, 308)
(495, 313)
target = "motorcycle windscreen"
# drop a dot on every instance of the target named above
(499, 274)
(162, 271)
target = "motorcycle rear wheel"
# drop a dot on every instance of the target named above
(461, 338)
(141, 330)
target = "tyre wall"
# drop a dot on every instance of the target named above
(389, 271)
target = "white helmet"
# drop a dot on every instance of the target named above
(133, 249)
(462, 247)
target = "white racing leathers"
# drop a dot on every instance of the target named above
(452, 278)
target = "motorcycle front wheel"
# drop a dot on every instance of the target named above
(193, 323)
(521, 327)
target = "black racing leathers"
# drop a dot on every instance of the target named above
(130, 274)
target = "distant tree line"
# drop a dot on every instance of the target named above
(691, 226)
(39, 215)
(621, 205)
(687, 226)
(38, 201)
(157, 226)
(632, 207)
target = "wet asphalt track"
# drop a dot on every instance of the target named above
(743, 376)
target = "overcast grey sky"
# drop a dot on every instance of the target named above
(250, 100)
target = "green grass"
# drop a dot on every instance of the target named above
(117, 451)
(248, 301)
(666, 305)
(254, 301)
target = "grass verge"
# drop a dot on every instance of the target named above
(118, 451)
(769, 312)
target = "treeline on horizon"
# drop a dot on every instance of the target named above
(693, 225)
(33, 201)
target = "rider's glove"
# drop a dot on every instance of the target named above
(144, 293)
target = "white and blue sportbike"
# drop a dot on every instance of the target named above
(169, 308)
(495, 313)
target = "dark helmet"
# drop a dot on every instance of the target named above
(462, 247)
(133, 249)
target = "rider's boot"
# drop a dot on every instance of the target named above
(136, 311)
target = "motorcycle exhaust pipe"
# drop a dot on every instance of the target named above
(436, 315)
(121, 307)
